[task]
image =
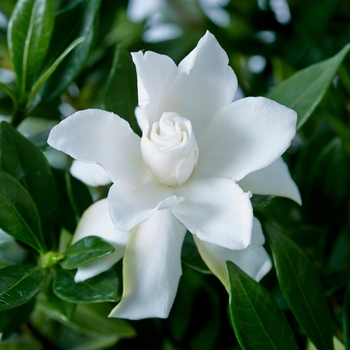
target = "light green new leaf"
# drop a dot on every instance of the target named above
(19, 284)
(301, 288)
(19, 216)
(304, 90)
(85, 250)
(103, 287)
(29, 34)
(121, 91)
(256, 318)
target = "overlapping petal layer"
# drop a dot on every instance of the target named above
(130, 207)
(91, 174)
(246, 136)
(151, 268)
(274, 180)
(253, 260)
(96, 221)
(97, 136)
(216, 210)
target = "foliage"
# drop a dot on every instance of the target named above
(61, 56)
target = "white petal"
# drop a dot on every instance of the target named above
(151, 268)
(274, 180)
(96, 221)
(91, 174)
(155, 74)
(253, 260)
(204, 85)
(247, 136)
(130, 207)
(97, 136)
(216, 210)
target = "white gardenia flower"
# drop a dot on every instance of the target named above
(200, 158)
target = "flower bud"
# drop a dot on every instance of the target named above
(170, 149)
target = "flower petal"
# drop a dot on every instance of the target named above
(204, 85)
(274, 180)
(155, 74)
(97, 136)
(216, 210)
(253, 260)
(91, 174)
(246, 136)
(97, 222)
(130, 207)
(151, 268)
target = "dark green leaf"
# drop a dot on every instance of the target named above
(19, 284)
(85, 250)
(103, 287)
(304, 90)
(301, 288)
(190, 255)
(121, 90)
(256, 318)
(82, 17)
(19, 215)
(20, 158)
(29, 34)
(346, 319)
(10, 320)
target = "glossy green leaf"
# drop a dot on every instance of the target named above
(82, 16)
(20, 158)
(19, 216)
(10, 320)
(85, 250)
(301, 288)
(121, 90)
(93, 320)
(29, 34)
(103, 287)
(46, 75)
(256, 318)
(19, 284)
(304, 90)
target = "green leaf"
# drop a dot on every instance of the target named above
(19, 284)
(29, 34)
(256, 318)
(19, 215)
(92, 319)
(346, 319)
(85, 250)
(20, 158)
(301, 288)
(103, 287)
(46, 75)
(304, 90)
(121, 91)
(10, 320)
(82, 17)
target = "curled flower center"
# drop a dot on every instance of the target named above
(170, 149)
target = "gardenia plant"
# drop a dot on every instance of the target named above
(198, 162)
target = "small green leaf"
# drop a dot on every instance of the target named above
(256, 318)
(301, 288)
(82, 17)
(103, 287)
(85, 250)
(121, 89)
(19, 215)
(19, 284)
(29, 34)
(10, 320)
(20, 158)
(304, 90)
